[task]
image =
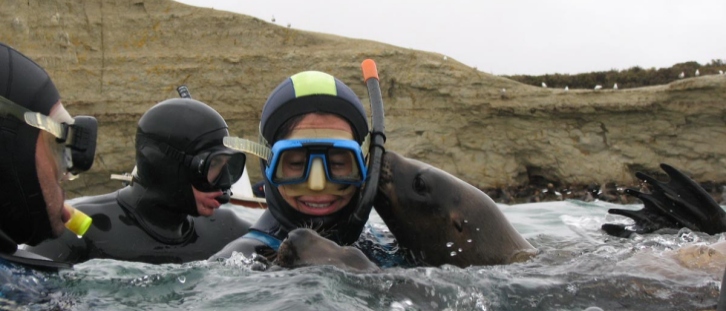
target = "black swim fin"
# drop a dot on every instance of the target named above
(680, 203)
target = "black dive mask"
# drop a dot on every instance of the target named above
(78, 139)
(217, 168)
(210, 170)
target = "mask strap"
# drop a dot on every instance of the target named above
(365, 146)
(34, 119)
(248, 146)
(170, 151)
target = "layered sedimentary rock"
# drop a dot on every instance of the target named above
(115, 59)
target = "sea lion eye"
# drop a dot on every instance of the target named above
(419, 185)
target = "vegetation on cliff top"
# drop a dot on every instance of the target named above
(629, 78)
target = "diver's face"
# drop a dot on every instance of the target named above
(50, 174)
(318, 196)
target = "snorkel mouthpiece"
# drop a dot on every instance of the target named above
(225, 197)
(79, 221)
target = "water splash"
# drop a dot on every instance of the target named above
(570, 273)
(403, 305)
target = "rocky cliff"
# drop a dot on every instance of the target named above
(115, 59)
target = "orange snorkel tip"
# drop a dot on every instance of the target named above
(369, 70)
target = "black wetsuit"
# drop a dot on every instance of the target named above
(146, 233)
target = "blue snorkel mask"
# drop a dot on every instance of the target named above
(292, 161)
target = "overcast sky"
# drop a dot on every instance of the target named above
(517, 36)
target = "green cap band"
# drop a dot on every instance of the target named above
(313, 83)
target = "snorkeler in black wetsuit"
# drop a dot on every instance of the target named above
(317, 107)
(41, 145)
(183, 173)
(39, 149)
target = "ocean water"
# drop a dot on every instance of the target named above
(579, 267)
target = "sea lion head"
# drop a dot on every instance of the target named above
(305, 247)
(441, 219)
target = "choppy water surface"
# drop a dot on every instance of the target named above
(580, 267)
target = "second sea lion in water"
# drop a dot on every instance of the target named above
(305, 247)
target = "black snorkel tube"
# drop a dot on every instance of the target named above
(226, 194)
(183, 92)
(375, 152)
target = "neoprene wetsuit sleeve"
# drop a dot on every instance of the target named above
(65, 248)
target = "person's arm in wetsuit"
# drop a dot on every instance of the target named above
(67, 248)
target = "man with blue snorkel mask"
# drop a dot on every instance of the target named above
(315, 127)
(182, 171)
(42, 147)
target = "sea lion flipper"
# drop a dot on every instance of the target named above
(695, 202)
(647, 219)
(617, 230)
(679, 203)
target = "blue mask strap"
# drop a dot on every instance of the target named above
(265, 238)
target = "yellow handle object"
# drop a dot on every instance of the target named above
(79, 221)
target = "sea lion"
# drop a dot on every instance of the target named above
(305, 247)
(441, 219)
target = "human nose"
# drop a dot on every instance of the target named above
(316, 180)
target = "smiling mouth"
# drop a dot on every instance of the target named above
(317, 205)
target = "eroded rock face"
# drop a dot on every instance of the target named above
(115, 59)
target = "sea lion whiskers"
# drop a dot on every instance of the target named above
(310, 224)
(329, 232)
